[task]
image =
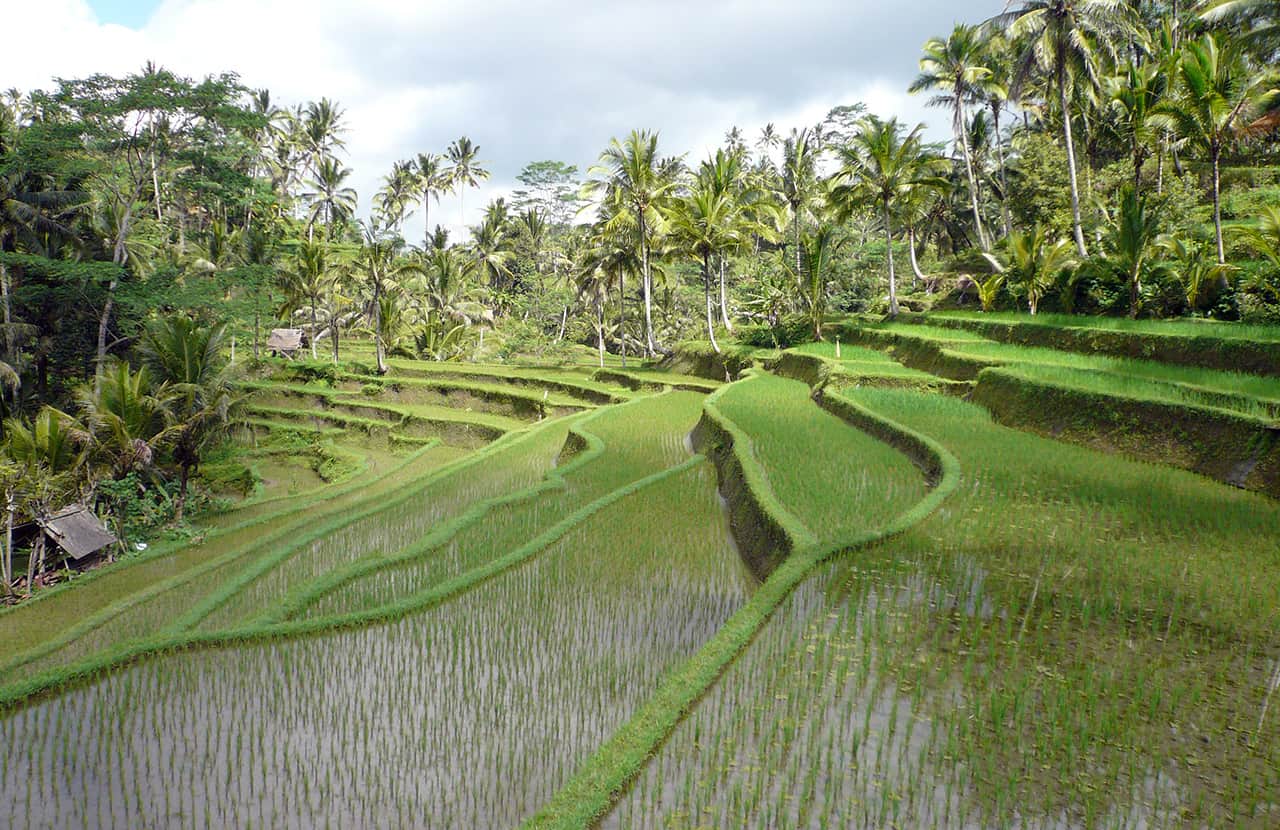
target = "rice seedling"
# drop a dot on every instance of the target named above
(833, 478)
(60, 618)
(638, 439)
(1183, 328)
(497, 697)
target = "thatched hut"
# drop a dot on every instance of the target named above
(285, 342)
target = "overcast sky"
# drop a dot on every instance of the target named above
(524, 79)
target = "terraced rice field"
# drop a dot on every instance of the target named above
(829, 593)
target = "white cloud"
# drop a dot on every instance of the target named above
(552, 79)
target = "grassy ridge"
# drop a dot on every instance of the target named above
(599, 782)
(97, 595)
(1222, 444)
(1131, 629)
(609, 448)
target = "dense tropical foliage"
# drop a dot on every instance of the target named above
(1105, 158)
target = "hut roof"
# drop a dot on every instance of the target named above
(285, 340)
(77, 531)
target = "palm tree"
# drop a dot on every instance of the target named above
(380, 264)
(320, 130)
(432, 180)
(1195, 263)
(1264, 238)
(799, 180)
(113, 223)
(307, 283)
(1256, 23)
(1032, 262)
(614, 253)
(880, 166)
(755, 213)
(639, 182)
(187, 357)
(1220, 94)
(466, 171)
(1134, 95)
(1131, 243)
(392, 200)
(818, 248)
(1063, 39)
(329, 197)
(704, 224)
(955, 66)
(490, 246)
(125, 421)
(994, 90)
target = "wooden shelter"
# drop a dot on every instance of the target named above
(285, 342)
(77, 532)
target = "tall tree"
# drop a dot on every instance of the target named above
(432, 180)
(188, 358)
(331, 198)
(879, 167)
(308, 282)
(954, 66)
(1220, 94)
(466, 171)
(631, 172)
(799, 181)
(1065, 40)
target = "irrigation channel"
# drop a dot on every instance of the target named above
(676, 603)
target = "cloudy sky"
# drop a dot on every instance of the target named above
(524, 79)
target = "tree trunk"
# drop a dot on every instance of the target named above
(893, 283)
(564, 322)
(724, 300)
(333, 336)
(1077, 227)
(911, 249)
(180, 503)
(600, 330)
(426, 219)
(647, 280)
(1004, 184)
(706, 292)
(973, 180)
(102, 336)
(8, 316)
(377, 329)
(1160, 169)
(622, 317)
(1216, 153)
(314, 330)
(10, 509)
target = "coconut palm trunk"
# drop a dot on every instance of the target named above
(706, 292)
(622, 317)
(600, 329)
(888, 254)
(1005, 218)
(647, 285)
(724, 299)
(314, 330)
(911, 250)
(1077, 226)
(1215, 152)
(973, 180)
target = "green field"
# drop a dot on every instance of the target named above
(569, 597)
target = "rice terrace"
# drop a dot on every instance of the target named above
(852, 473)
